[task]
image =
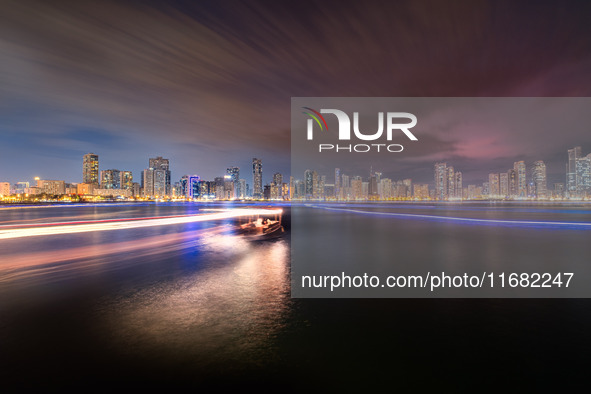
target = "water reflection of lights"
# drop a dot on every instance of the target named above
(582, 225)
(7, 232)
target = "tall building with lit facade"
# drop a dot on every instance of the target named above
(162, 176)
(110, 179)
(257, 178)
(441, 174)
(504, 184)
(126, 180)
(234, 173)
(494, 186)
(90, 169)
(520, 174)
(571, 170)
(539, 180)
(583, 176)
(459, 185)
(337, 183)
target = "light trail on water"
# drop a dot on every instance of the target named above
(10, 232)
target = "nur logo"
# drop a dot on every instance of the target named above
(392, 124)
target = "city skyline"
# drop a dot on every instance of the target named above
(84, 78)
(519, 182)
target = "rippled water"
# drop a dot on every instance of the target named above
(196, 304)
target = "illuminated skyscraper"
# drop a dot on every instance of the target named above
(257, 178)
(520, 174)
(441, 174)
(571, 170)
(126, 180)
(90, 169)
(337, 182)
(539, 179)
(583, 176)
(110, 179)
(504, 184)
(162, 176)
(459, 185)
(493, 184)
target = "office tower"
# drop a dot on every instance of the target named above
(520, 174)
(571, 170)
(90, 169)
(441, 174)
(493, 184)
(257, 178)
(110, 179)
(539, 179)
(125, 180)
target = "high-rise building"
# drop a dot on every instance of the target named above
(520, 173)
(451, 182)
(90, 169)
(583, 176)
(504, 184)
(234, 173)
(512, 183)
(4, 188)
(241, 189)
(441, 175)
(126, 180)
(421, 191)
(110, 179)
(162, 176)
(337, 183)
(257, 178)
(459, 185)
(493, 184)
(539, 179)
(571, 170)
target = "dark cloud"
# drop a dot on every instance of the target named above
(209, 83)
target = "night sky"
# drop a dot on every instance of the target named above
(208, 84)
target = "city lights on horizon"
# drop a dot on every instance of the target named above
(517, 183)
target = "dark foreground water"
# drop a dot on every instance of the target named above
(195, 305)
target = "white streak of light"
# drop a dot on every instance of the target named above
(133, 223)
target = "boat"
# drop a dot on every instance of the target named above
(262, 228)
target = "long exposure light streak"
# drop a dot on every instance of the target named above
(119, 224)
(585, 225)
